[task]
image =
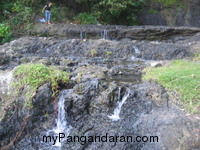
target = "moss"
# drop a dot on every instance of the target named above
(196, 56)
(182, 77)
(153, 11)
(169, 2)
(29, 77)
(93, 52)
(108, 53)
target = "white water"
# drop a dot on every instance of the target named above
(116, 113)
(104, 34)
(137, 51)
(61, 122)
(133, 58)
(95, 83)
(81, 35)
(5, 81)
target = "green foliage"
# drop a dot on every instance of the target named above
(108, 53)
(118, 11)
(196, 56)
(22, 16)
(31, 76)
(5, 33)
(182, 77)
(60, 14)
(85, 18)
(19, 14)
(153, 11)
(169, 2)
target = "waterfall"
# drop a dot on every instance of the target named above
(61, 122)
(133, 58)
(81, 35)
(5, 81)
(137, 51)
(104, 34)
(115, 116)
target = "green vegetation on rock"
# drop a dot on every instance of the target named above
(5, 33)
(182, 77)
(108, 53)
(168, 2)
(93, 52)
(29, 77)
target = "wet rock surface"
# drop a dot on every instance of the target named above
(101, 72)
(113, 32)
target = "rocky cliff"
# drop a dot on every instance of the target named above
(185, 13)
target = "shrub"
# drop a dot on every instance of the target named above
(59, 14)
(20, 17)
(5, 33)
(85, 18)
(117, 11)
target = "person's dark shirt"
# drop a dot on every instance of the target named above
(48, 8)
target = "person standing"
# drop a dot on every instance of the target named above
(47, 9)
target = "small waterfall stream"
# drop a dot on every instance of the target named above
(104, 34)
(61, 122)
(5, 81)
(116, 113)
(81, 35)
(137, 51)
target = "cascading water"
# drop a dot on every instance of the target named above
(81, 35)
(61, 122)
(115, 116)
(5, 81)
(137, 51)
(104, 34)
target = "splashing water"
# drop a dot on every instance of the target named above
(104, 34)
(95, 83)
(81, 35)
(61, 122)
(5, 81)
(133, 58)
(115, 116)
(137, 51)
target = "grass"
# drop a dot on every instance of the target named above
(29, 77)
(182, 77)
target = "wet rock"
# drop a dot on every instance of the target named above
(98, 85)
(113, 32)
(4, 60)
(18, 115)
(54, 51)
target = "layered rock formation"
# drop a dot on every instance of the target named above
(101, 72)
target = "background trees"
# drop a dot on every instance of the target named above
(19, 15)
